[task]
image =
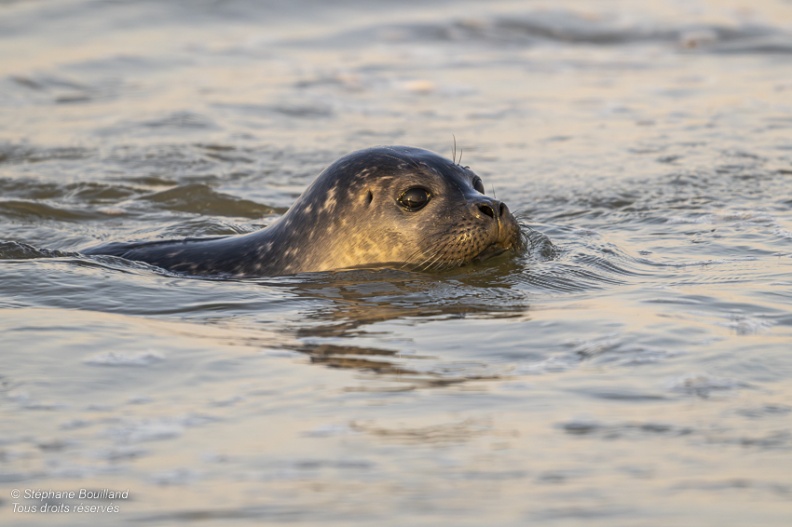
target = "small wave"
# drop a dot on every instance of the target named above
(566, 278)
(771, 44)
(201, 199)
(181, 120)
(705, 385)
(581, 266)
(113, 358)
(317, 110)
(22, 209)
(11, 250)
(80, 192)
(539, 245)
(562, 26)
(18, 154)
(615, 430)
(59, 89)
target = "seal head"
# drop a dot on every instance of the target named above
(392, 206)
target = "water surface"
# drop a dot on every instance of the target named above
(634, 371)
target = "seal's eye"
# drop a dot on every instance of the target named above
(478, 185)
(414, 199)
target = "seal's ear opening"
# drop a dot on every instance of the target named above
(369, 198)
(478, 185)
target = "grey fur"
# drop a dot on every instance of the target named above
(350, 217)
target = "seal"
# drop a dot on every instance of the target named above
(388, 206)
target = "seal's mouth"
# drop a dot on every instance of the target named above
(491, 251)
(513, 241)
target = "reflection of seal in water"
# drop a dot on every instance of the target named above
(387, 206)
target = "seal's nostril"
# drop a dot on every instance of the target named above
(502, 210)
(487, 209)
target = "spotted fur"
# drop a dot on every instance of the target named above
(349, 217)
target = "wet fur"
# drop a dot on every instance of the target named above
(350, 217)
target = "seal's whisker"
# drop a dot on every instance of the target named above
(436, 262)
(427, 266)
(420, 259)
(414, 260)
(454, 152)
(440, 255)
(433, 261)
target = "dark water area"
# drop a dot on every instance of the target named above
(632, 368)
